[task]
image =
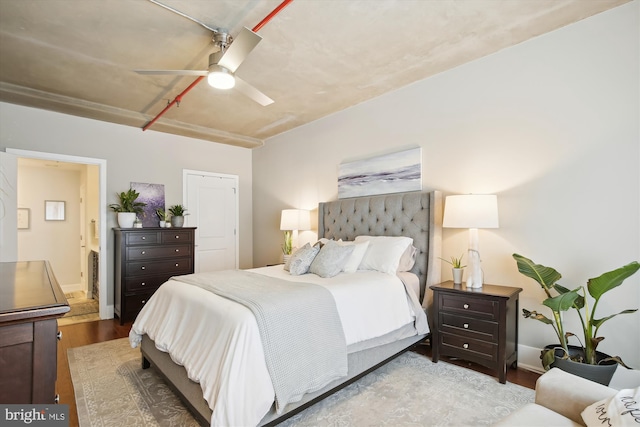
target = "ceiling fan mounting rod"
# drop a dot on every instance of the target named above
(178, 98)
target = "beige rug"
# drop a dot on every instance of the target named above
(113, 390)
(82, 309)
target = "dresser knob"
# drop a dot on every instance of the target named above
(143, 283)
(465, 306)
(143, 252)
(177, 237)
(465, 345)
(466, 326)
(144, 301)
(56, 399)
(144, 238)
(176, 264)
(142, 268)
(177, 250)
(59, 335)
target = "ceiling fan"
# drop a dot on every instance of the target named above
(223, 63)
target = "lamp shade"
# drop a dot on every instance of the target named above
(471, 211)
(295, 219)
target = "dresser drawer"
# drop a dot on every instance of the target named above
(134, 304)
(142, 238)
(144, 283)
(469, 327)
(172, 267)
(177, 236)
(470, 306)
(468, 348)
(139, 253)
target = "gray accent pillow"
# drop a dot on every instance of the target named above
(331, 259)
(301, 260)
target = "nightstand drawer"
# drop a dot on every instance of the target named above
(469, 327)
(173, 267)
(465, 347)
(138, 253)
(177, 236)
(470, 306)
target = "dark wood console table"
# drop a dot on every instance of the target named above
(30, 302)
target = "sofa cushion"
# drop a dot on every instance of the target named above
(532, 414)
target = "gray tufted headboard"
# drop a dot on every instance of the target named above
(415, 215)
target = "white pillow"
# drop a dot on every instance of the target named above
(383, 253)
(623, 409)
(408, 259)
(359, 249)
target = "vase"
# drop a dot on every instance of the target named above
(457, 275)
(126, 219)
(286, 258)
(162, 224)
(601, 373)
(177, 221)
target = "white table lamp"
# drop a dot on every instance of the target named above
(472, 211)
(291, 221)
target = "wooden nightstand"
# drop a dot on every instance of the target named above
(476, 324)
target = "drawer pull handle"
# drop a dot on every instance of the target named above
(56, 399)
(465, 306)
(144, 301)
(177, 237)
(177, 250)
(177, 264)
(144, 238)
(142, 268)
(466, 326)
(143, 252)
(59, 335)
(465, 345)
(143, 283)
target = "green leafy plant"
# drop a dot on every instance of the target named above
(560, 300)
(178, 210)
(287, 247)
(455, 262)
(163, 215)
(128, 202)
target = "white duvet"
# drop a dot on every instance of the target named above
(219, 344)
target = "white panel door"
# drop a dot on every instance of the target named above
(8, 207)
(212, 206)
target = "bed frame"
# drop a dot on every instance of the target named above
(416, 215)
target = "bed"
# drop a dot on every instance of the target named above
(413, 215)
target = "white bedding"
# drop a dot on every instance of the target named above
(221, 347)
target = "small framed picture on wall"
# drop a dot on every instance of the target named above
(54, 210)
(24, 218)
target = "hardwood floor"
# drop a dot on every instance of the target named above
(81, 334)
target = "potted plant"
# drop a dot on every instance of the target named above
(457, 269)
(163, 216)
(582, 360)
(128, 208)
(178, 212)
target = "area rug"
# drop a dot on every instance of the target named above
(112, 389)
(81, 309)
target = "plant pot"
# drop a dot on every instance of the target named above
(286, 258)
(177, 221)
(162, 224)
(126, 219)
(457, 275)
(601, 373)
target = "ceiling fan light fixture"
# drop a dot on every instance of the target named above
(220, 78)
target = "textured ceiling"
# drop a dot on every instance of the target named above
(316, 57)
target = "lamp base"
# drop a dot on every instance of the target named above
(474, 279)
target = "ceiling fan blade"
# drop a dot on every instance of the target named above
(174, 72)
(241, 46)
(252, 92)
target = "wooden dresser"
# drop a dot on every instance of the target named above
(145, 259)
(30, 302)
(476, 324)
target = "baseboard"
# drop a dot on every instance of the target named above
(529, 358)
(75, 287)
(109, 313)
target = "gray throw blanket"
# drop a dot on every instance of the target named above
(301, 332)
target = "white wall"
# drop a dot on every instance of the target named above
(551, 126)
(132, 156)
(51, 240)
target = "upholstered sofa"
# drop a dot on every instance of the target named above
(561, 397)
